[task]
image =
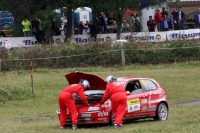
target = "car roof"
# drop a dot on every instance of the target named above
(130, 78)
(126, 79)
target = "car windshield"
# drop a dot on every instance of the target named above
(95, 93)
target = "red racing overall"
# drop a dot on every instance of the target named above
(118, 99)
(66, 101)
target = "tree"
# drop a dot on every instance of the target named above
(43, 10)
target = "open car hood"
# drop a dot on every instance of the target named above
(96, 83)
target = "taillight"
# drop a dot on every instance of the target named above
(13, 18)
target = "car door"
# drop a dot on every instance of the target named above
(152, 95)
(137, 102)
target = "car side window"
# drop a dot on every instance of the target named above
(134, 87)
(4, 14)
(148, 85)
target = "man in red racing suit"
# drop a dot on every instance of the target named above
(66, 100)
(118, 99)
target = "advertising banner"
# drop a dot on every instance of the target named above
(183, 34)
(84, 39)
(13, 42)
(145, 36)
(139, 36)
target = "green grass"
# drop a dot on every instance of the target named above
(38, 114)
(181, 120)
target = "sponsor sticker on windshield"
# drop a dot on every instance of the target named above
(143, 82)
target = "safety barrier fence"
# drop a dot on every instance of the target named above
(120, 54)
(123, 57)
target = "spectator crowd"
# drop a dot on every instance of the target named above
(177, 20)
(105, 24)
(162, 20)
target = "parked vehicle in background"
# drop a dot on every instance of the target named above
(6, 19)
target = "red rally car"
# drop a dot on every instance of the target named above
(147, 99)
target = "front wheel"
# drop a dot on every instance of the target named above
(111, 118)
(162, 112)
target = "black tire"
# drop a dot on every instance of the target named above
(6, 25)
(111, 118)
(162, 112)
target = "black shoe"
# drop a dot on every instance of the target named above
(74, 127)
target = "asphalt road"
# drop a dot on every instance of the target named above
(185, 104)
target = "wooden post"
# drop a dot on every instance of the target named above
(0, 64)
(123, 58)
(31, 73)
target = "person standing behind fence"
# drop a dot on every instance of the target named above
(76, 28)
(65, 28)
(86, 30)
(172, 22)
(111, 19)
(175, 15)
(158, 18)
(26, 27)
(190, 21)
(106, 22)
(165, 23)
(197, 18)
(164, 12)
(125, 26)
(102, 22)
(178, 25)
(39, 35)
(93, 31)
(181, 16)
(133, 18)
(151, 24)
(36, 23)
(137, 26)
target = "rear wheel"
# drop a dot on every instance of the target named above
(162, 112)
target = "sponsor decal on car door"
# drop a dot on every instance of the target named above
(136, 106)
(133, 105)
